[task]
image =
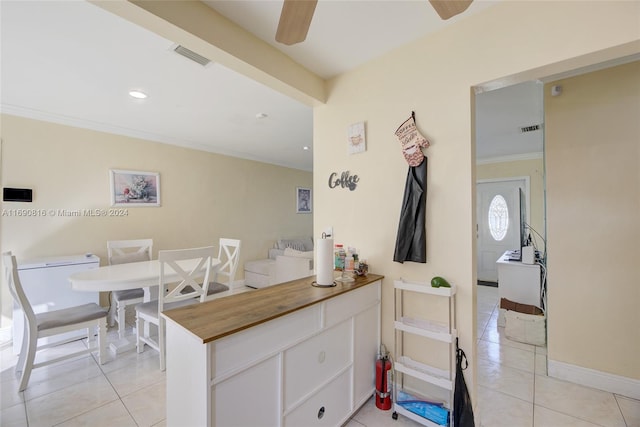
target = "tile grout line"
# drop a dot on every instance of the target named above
(533, 408)
(615, 397)
(575, 416)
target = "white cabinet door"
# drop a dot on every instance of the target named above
(366, 346)
(251, 398)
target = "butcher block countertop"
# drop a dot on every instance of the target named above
(220, 317)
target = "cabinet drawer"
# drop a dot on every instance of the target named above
(247, 347)
(351, 303)
(330, 406)
(309, 364)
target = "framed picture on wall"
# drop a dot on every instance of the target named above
(356, 141)
(303, 200)
(134, 188)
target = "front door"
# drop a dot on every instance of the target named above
(498, 223)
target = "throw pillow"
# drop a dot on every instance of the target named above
(292, 243)
(308, 244)
(298, 254)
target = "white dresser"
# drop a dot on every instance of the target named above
(312, 365)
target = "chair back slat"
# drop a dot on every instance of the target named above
(172, 290)
(229, 256)
(136, 250)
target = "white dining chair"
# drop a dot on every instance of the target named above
(121, 252)
(188, 287)
(48, 324)
(229, 256)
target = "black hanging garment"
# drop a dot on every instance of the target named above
(462, 407)
(411, 241)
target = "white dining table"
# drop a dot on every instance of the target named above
(134, 275)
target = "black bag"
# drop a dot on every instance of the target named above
(462, 407)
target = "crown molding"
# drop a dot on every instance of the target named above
(511, 158)
(60, 119)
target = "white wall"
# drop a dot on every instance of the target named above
(204, 196)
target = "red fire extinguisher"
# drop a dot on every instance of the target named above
(383, 380)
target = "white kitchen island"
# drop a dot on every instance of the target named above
(287, 355)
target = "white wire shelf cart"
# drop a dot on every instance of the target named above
(440, 380)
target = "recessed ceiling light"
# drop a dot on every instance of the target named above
(261, 115)
(137, 94)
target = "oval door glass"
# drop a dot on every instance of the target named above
(498, 218)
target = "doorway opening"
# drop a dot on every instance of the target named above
(499, 217)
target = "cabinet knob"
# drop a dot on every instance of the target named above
(321, 356)
(321, 413)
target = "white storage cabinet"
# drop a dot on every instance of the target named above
(518, 282)
(46, 284)
(442, 380)
(313, 367)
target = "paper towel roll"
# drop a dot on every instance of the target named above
(324, 262)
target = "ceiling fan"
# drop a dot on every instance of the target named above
(296, 16)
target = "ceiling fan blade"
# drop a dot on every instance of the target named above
(295, 20)
(449, 8)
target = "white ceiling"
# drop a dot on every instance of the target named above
(500, 115)
(72, 62)
(343, 33)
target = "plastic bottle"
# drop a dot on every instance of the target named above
(338, 256)
(349, 263)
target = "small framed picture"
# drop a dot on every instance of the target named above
(303, 200)
(134, 188)
(356, 140)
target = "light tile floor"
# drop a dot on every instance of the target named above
(513, 389)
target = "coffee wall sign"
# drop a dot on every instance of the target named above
(346, 180)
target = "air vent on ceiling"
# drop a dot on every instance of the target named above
(531, 128)
(187, 53)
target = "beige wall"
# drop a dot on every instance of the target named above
(434, 76)
(204, 196)
(534, 169)
(593, 199)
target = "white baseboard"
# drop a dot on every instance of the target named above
(628, 387)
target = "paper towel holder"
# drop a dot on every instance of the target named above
(324, 254)
(315, 284)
